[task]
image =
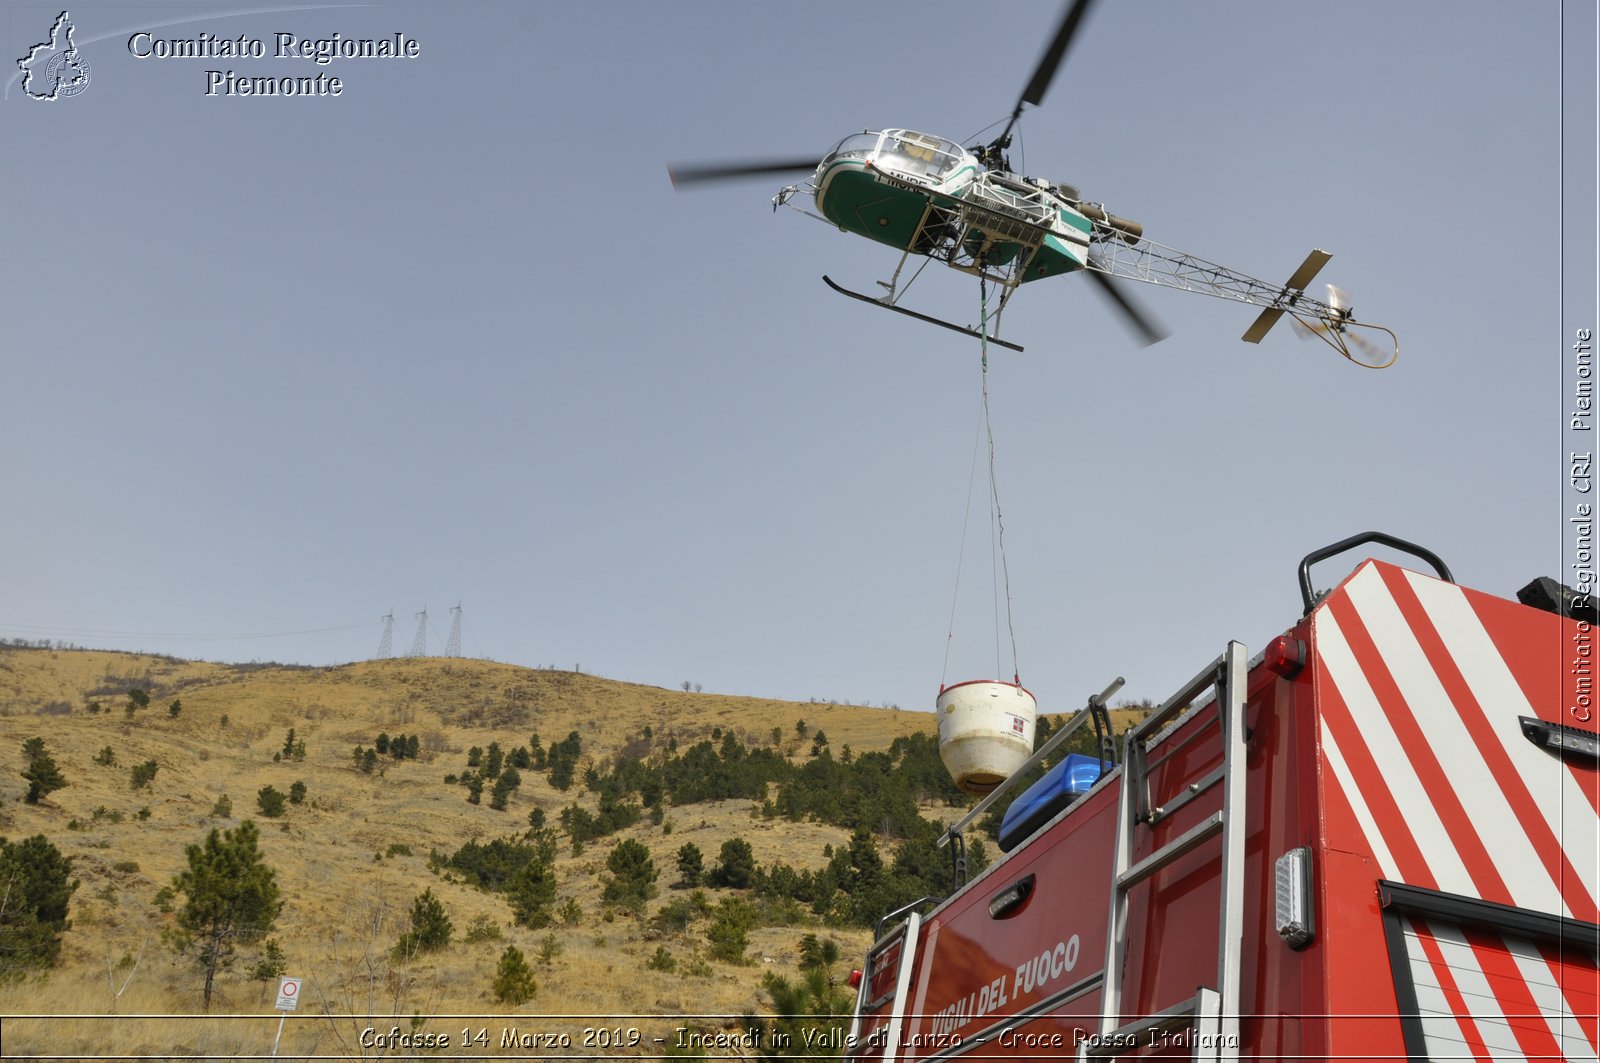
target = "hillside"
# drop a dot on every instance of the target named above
(351, 859)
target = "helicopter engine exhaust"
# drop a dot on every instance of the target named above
(1128, 231)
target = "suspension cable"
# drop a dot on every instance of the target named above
(1001, 579)
(955, 597)
(994, 487)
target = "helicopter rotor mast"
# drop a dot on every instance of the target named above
(1039, 83)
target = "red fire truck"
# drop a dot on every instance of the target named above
(1378, 839)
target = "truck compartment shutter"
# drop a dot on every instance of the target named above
(1476, 980)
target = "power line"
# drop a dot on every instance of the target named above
(43, 629)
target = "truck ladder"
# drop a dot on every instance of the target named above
(1213, 1012)
(884, 953)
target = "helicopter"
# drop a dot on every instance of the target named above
(932, 197)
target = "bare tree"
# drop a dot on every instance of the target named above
(111, 974)
(374, 984)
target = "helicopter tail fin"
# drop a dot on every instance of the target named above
(1293, 288)
(1260, 326)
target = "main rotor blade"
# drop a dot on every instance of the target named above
(687, 175)
(1035, 91)
(1046, 70)
(1141, 322)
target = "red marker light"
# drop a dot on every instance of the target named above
(855, 978)
(1285, 655)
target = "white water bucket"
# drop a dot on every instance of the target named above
(985, 732)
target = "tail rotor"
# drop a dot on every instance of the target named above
(1336, 329)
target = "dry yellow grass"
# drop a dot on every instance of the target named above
(347, 894)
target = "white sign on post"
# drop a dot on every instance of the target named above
(288, 993)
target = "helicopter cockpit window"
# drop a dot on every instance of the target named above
(858, 145)
(919, 153)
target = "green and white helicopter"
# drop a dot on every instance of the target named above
(930, 197)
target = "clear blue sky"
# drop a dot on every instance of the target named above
(279, 365)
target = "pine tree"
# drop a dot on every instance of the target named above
(232, 898)
(633, 875)
(690, 865)
(729, 932)
(504, 787)
(736, 865)
(513, 982)
(818, 953)
(35, 880)
(272, 965)
(271, 802)
(807, 1015)
(531, 891)
(430, 927)
(563, 760)
(42, 774)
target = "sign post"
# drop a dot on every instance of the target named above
(288, 999)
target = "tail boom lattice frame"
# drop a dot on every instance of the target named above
(1153, 263)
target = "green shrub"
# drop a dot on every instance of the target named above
(729, 933)
(513, 980)
(271, 802)
(482, 929)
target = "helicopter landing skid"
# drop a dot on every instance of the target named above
(997, 341)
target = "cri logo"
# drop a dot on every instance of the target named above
(55, 69)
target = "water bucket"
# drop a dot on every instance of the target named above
(985, 732)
